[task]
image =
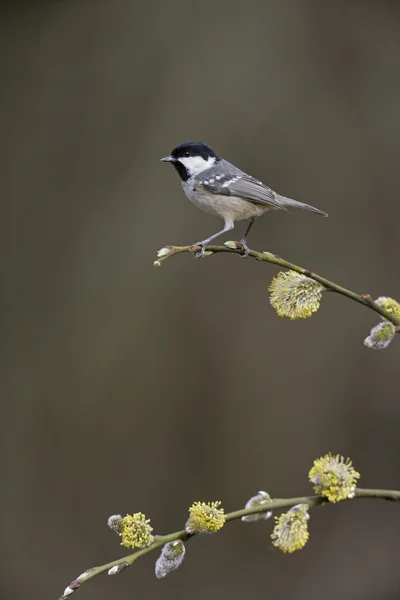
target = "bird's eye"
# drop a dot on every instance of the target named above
(187, 154)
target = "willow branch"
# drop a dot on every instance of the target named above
(268, 257)
(116, 566)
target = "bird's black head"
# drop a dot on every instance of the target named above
(191, 158)
(188, 149)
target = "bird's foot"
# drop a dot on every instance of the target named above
(199, 253)
(246, 249)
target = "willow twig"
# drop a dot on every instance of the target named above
(116, 566)
(236, 248)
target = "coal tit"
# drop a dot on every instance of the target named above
(219, 188)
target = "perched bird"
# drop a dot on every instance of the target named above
(219, 188)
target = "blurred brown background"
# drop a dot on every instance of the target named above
(128, 388)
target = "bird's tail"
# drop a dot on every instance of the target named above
(296, 204)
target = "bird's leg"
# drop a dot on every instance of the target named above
(244, 238)
(204, 243)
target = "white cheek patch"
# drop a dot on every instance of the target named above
(196, 164)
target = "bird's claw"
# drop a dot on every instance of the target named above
(246, 249)
(199, 253)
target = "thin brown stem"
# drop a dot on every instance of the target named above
(121, 564)
(236, 248)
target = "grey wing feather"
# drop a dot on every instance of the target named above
(254, 190)
(246, 186)
(235, 182)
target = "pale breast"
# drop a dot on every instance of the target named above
(229, 208)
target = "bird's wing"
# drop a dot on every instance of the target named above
(241, 185)
(231, 181)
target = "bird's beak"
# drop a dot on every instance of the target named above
(167, 159)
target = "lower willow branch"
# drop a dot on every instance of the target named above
(116, 566)
(236, 248)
